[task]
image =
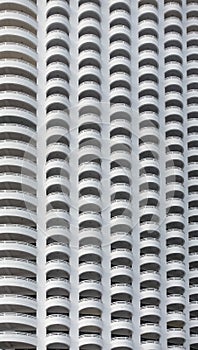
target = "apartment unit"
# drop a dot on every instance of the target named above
(99, 174)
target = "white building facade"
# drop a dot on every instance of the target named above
(99, 174)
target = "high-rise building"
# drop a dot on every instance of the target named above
(99, 174)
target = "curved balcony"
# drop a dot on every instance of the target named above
(86, 72)
(90, 302)
(89, 22)
(150, 292)
(120, 171)
(148, 8)
(17, 131)
(25, 120)
(90, 284)
(173, 248)
(18, 282)
(57, 264)
(175, 299)
(57, 83)
(24, 199)
(147, 23)
(152, 328)
(90, 266)
(12, 51)
(89, 57)
(58, 232)
(121, 253)
(89, 233)
(20, 83)
(18, 318)
(58, 6)
(176, 316)
(56, 19)
(60, 338)
(18, 216)
(52, 284)
(120, 270)
(121, 155)
(193, 272)
(148, 39)
(121, 223)
(54, 100)
(22, 187)
(124, 4)
(58, 118)
(16, 229)
(19, 64)
(60, 36)
(149, 178)
(23, 338)
(16, 148)
(173, 5)
(177, 187)
(60, 301)
(175, 265)
(149, 274)
(90, 183)
(121, 341)
(121, 30)
(90, 339)
(88, 320)
(151, 120)
(87, 86)
(149, 259)
(119, 14)
(149, 242)
(122, 158)
(93, 145)
(59, 319)
(119, 324)
(88, 6)
(121, 306)
(121, 288)
(55, 68)
(118, 124)
(61, 164)
(18, 301)
(57, 54)
(175, 217)
(146, 344)
(86, 249)
(119, 62)
(89, 38)
(176, 333)
(28, 6)
(120, 77)
(120, 110)
(58, 247)
(148, 69)
(90, 216)
(148, 84)
(18, 264)
(146, 57)
(194, 339)
(150, 310)
(19, 99)
(122, 205)
(18, 32)
(89, 203)
(57, 189)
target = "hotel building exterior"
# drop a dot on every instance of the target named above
(99, 174)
